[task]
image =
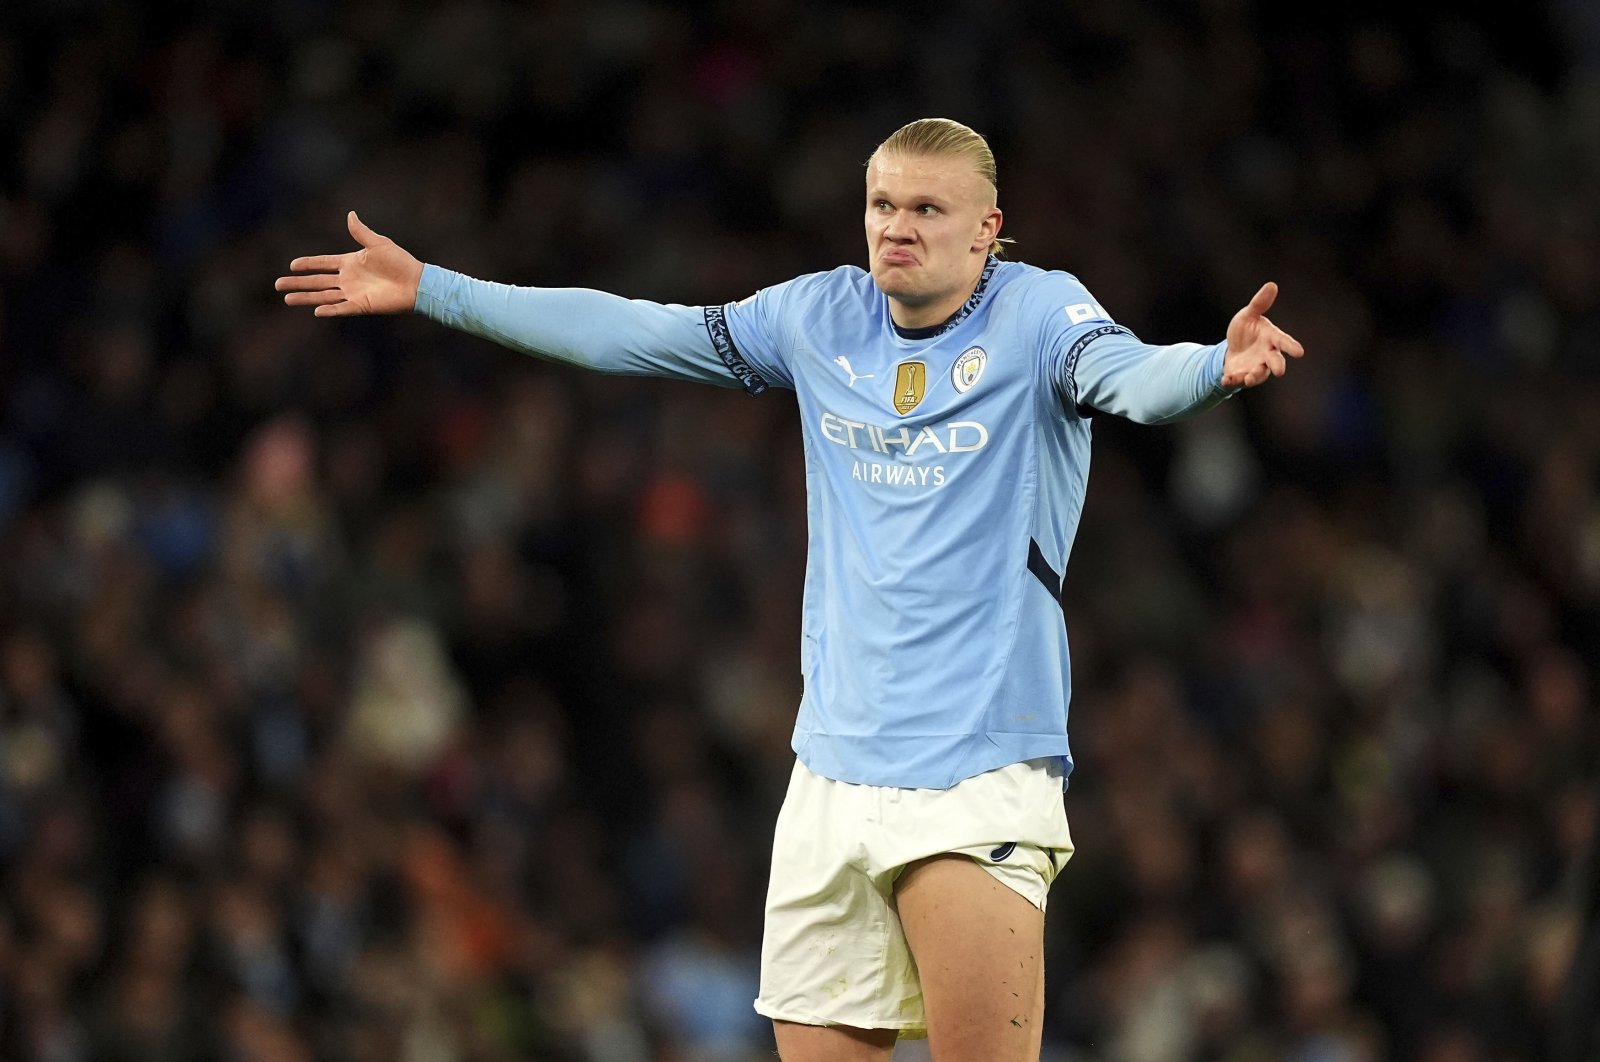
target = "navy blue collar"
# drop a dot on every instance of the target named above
(960, 315)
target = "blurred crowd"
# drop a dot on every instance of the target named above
(368, 692)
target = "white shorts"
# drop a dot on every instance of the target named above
(833, 952)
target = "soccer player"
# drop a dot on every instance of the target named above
(946, 398)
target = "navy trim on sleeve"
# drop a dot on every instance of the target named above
(1077, 348)
(722, 340)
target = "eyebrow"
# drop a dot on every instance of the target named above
(878, 193)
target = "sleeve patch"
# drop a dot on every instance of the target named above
(722, 340)
(1081, 312)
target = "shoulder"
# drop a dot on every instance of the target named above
(808, 289)
(841, 282)
(833, 293)
(1053, 296)
(1031, 282)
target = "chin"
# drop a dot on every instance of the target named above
(897, 286)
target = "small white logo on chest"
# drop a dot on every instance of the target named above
(844, 363)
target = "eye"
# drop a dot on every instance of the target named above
(880, 205)
(927, 210)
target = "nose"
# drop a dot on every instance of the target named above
(899, 228)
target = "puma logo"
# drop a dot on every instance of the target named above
(844, 363)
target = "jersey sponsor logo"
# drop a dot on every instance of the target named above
(968, 367)
(1079, 312)
(956, 437)
(910, 384)
(844, 363)
(898, 475)
(908, 458)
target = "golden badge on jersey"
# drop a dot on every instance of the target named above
(910, 383)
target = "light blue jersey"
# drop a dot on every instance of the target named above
(945, 474)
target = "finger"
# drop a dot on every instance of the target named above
(1254, 376)
(312, 282)
(337, 309)
(1276, 364)
(313, 298)
(1290, 345)
(1263, 300)
(318, 263)
(363, 235)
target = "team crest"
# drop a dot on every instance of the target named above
(968, 368)
(910, 384)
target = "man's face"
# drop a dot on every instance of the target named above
(930, 220)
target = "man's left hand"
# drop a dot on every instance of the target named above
(1256, 346)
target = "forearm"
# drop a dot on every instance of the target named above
(1150, 384)
(591, 329)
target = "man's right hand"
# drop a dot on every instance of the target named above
(382, 277)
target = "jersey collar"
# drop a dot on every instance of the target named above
(960, 315)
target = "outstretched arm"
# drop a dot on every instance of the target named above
(381, 277)
(1107, 368)
(591, 329)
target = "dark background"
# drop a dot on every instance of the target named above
(368, 692)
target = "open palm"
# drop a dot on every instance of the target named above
(1256, 346)
(381, 277)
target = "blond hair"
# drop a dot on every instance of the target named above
(948, 138)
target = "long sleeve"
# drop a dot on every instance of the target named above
(591, 329)
(1116, 373)
(1098, 364)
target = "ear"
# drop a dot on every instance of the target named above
(988, 229)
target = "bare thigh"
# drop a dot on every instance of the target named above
(832, 1043)
(979, 949)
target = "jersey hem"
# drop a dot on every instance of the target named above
(892, 752)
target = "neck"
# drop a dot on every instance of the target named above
(938, 311)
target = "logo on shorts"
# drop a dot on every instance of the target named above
(965, 372)
(910, 382)
(999, 854)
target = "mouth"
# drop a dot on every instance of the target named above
(897, 258)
